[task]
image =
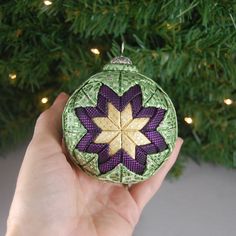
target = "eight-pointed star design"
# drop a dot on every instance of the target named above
(121, 130)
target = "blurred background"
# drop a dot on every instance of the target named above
(187, 47)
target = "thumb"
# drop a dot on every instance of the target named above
(48, 125)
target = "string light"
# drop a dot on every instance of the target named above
(95, 51)
(228, 101)
(169, 26)
(12, 76)
(172, 26)
(47, 3)
(188, 120)
(44, 100)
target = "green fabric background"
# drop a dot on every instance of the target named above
(119, 78)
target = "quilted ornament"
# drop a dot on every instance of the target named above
(119, 126)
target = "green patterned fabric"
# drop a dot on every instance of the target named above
(119, 78)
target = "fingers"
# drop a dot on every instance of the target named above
(48, 125)
(143, 192)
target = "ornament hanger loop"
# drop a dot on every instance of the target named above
(121, 59)
(122, 48)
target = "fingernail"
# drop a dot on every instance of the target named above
(181, 141)
(62, 95)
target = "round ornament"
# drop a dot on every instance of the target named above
(119, 125)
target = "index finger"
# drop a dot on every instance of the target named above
(144, 191)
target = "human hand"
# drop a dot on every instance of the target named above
(53, 197)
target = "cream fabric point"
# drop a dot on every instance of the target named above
(121, 131)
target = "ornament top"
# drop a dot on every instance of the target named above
(120, 63)
(121, 60)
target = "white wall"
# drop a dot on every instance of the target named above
(202, 202)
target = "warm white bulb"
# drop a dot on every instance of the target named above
(47, 3)
(188, 120)
(95, 51)
(169, 26)
(228, 101)
(12, 76)
(44, 100)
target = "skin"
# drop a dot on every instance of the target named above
(53, 197)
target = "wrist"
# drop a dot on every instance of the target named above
(35, 227)
(15, 228)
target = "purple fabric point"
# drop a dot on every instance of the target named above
(134, 97)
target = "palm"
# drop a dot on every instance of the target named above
(57, 198)
(95, 207)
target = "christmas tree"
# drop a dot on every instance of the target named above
(187, 47)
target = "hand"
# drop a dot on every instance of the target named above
(53, 197)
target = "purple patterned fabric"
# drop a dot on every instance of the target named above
(134, 97)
